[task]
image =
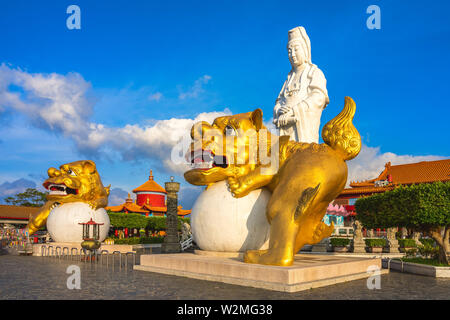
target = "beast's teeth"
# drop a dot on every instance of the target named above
(202, 165)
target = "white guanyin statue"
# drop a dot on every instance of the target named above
(304, 94)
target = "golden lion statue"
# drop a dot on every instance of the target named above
(77, 181)
(307, 178)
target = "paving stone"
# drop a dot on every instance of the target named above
(26, 277)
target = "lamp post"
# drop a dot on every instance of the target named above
(171, 242)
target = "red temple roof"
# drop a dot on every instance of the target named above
(91, 222)
(128, 206)
(17, 212)
(150, 186)
(404, 174)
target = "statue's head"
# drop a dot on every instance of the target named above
(77, 181)
(227, 147)
(299, 47)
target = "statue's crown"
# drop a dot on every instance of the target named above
(299, 34)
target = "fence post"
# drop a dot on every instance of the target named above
(120, 258)
(56, 252)
(65, 255)
(71, 253)
(126, 259)
(107, 256)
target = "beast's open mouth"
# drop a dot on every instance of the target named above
(59, 189)
(205, 159)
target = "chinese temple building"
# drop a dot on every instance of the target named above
(150, 201)
(393, 176)
(16, 215)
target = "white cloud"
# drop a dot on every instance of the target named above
(271, 126)
(60, 104)
(196, 89)
(370, 162)
(52, 101)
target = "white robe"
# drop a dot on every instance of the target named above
(306, 95)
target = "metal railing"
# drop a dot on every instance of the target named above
(92, 257)
(186, 244)
(389, 263)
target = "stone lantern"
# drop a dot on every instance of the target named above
(91, 243)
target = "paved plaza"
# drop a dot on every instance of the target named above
(26, 277)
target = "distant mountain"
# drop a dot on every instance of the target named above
(12, 188)
(117, 196)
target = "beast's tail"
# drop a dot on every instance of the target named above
(340, 133)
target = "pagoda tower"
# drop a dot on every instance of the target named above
(150, 193)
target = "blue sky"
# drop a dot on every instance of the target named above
(135, 63)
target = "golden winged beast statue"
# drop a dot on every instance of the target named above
(307, 177)
(77, 181)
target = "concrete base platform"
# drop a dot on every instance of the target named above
(417, 268)
(308, 271)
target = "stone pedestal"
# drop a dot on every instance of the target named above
(171, 242)
(359, 247)
(358, 244)
(308, 271)
(392, 240)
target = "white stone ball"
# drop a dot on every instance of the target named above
(62, 222)
(220, 222)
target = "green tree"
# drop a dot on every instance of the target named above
(29, 198)
(423, 207)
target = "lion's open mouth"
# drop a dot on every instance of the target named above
(60, 189)
(205, 159)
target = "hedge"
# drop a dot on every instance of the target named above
(375, 242)
(138, 221)
(339, 242)
(407, 243)
(138, 240)
(428, 241)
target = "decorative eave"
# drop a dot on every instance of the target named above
(127, 207)
(134, 208)
(370, 183)
(364, 190)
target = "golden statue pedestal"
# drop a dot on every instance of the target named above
(308, 270)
